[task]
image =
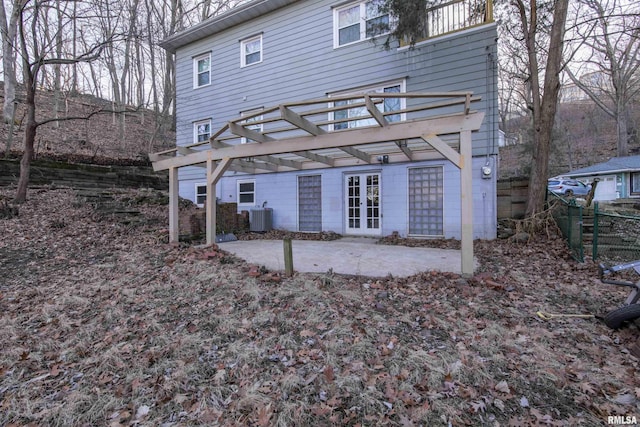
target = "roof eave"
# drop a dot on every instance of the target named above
(216, 24)
(605, 172)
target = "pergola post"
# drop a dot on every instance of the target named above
(210, 205)
(173, 205)
(464, 162)
(213, 176)
(466, 202)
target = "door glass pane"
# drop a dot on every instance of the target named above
(373, 201)
(353, 201)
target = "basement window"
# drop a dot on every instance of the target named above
(247, 192)
(201, 195)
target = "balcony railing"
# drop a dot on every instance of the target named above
(456, 15)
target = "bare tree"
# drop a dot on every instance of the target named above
(34, 56)
(610, 70)
(8, 27)
(540, 28)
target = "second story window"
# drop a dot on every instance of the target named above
(359, 21)
(251, 51)
(202, 70)
(386, 105)
(201, 131)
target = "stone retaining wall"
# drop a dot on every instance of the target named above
(46, 172)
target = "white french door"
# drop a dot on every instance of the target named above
(362, 204)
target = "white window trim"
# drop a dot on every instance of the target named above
(197, 59)
(363, 25)
(243, 57)
(245, 181)
(195, 198)
(195, 129)
(371, 89)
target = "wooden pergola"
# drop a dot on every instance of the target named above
(335, 132)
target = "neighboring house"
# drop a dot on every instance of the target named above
(618, 178)
(267, 53)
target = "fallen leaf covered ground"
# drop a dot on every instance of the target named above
(104, 323)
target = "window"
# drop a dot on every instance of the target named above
(202, 131)
(359, 21)
(251, 117)
(251, 51)
(247, 193)
(426, 201)
(310, 203)
(201, 194)
(635, 184)
(202, 70)
(387, 105)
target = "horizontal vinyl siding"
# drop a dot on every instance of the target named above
(299, 62)
(279, 191)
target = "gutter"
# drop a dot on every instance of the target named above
(238, 15)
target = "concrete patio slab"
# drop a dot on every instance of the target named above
(356, 256)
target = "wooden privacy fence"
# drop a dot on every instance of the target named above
(512, 197)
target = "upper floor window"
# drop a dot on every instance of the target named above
(201, 130)
(385, 105)
(359, 21)
(202, 70)
(251, 51)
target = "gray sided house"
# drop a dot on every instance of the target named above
(235, 70)
(619, 177)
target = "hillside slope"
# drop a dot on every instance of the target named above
(105, 138)
(583, 135)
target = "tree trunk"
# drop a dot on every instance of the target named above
(8, 30)
(544, 120)
(622, 128)
(29, 139)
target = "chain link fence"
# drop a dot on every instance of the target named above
(569, 217)
(616, 236)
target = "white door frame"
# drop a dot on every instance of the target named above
(363, 207)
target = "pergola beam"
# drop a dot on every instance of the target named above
(280, 162)
(357, 154)
(402, 145)
(449, 153)
(316, 157)
(375, 113)
(300, 121)
(249, 134)
(348, 138)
